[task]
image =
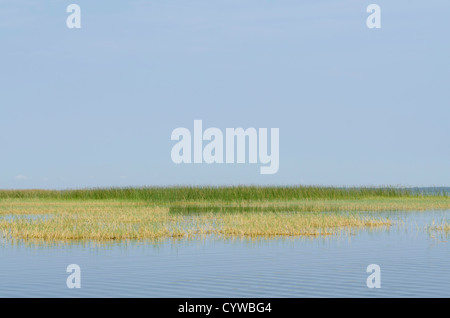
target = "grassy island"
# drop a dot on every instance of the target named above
(163, 212)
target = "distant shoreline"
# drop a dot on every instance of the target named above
(226, 193)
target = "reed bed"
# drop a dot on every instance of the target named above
(227, 194)
(318, 205)
(90, 220)
(177, 212)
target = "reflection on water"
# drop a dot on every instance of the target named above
(414, 261)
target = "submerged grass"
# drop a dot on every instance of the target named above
(154, 213)
(444, 227)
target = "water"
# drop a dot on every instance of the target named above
(414, 261)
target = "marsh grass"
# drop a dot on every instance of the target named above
(226, 194)
(311, 205)
(90, 220)
(183, 212)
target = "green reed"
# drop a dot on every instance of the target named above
(209, 193)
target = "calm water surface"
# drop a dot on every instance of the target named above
(414, 261)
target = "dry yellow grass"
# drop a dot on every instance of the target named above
(121, 220)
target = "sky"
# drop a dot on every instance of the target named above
(96, 106)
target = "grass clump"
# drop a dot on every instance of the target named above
(444, 227)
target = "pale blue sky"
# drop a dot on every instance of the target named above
(96, 106)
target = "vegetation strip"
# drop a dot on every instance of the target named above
(154, 213)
